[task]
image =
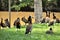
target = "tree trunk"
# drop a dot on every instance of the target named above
(10, 12)
(38, 10)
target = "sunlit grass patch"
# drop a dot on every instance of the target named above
(38, 33)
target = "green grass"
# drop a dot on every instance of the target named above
(38, 33)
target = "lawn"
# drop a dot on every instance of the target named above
(38, 33)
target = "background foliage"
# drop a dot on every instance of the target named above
(25, 5)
